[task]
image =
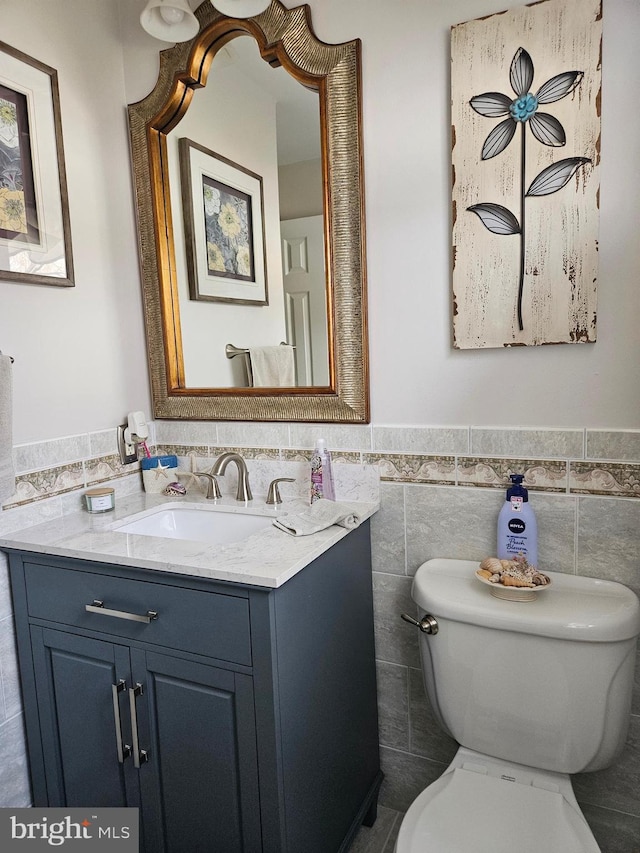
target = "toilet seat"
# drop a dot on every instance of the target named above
(470, 811)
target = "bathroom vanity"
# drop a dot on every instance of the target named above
(238, 716)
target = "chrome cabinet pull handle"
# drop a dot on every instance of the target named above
(123, 749)
(98, 607)
(140, 756)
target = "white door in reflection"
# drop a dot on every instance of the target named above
(305, 297)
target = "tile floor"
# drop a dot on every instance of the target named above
(381, 837)
(614, 832)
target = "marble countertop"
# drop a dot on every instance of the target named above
(267, 558)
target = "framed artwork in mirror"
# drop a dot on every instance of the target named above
(35, 237)
(224, 227)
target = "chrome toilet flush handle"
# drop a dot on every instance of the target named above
(428, 624)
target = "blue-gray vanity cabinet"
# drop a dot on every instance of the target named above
(241, 719)
(193, 721)
(75, 677)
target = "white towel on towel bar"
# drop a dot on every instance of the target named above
(272, 367)
(7, 474)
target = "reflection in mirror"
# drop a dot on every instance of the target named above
(234, 220)
(271, 128)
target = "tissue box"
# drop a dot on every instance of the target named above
(158, 472)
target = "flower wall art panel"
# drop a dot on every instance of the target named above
(525, 102)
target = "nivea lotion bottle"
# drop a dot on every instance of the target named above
(517, 528)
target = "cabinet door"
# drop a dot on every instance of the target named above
(81, 720)
(199, 783)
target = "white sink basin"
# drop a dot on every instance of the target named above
(214, 525)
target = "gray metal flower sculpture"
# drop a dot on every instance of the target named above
(545, 128)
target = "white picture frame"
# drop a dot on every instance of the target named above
(223, 209)
(35, 242)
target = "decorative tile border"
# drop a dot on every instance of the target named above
(605, 478)
(106, 468)
(247, 452)
(195, 450)
(50, 482)
(211, 452)
(38, 485)
(549, 475)
(339, 457)
(54, 475)
(414, 468)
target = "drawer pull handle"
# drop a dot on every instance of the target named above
(123, 749)
(140, 756)
(98, 607)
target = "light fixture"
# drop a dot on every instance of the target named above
(241, 8)
(169, 20)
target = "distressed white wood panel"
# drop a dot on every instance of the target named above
(561, 229)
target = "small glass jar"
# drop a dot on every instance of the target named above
(100, 500)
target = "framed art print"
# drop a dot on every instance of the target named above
(35, 236)
(224, 227)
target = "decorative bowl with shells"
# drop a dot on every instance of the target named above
(513, 580)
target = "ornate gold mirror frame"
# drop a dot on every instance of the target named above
(285, 38)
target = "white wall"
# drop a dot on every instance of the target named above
(80, 360)
(416, 376)
(300, 189)
(80, 356)
(405, 86)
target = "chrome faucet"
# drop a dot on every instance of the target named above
(273, 495)
(220, 466)
(213, 488)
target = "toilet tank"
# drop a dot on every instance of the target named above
(546, 683)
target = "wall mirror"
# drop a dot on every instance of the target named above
(247, 160)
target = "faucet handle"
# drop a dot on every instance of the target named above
(273, 496)
(213, 487)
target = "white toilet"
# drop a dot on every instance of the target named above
(532, 690)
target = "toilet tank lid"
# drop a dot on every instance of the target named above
(574, 607)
